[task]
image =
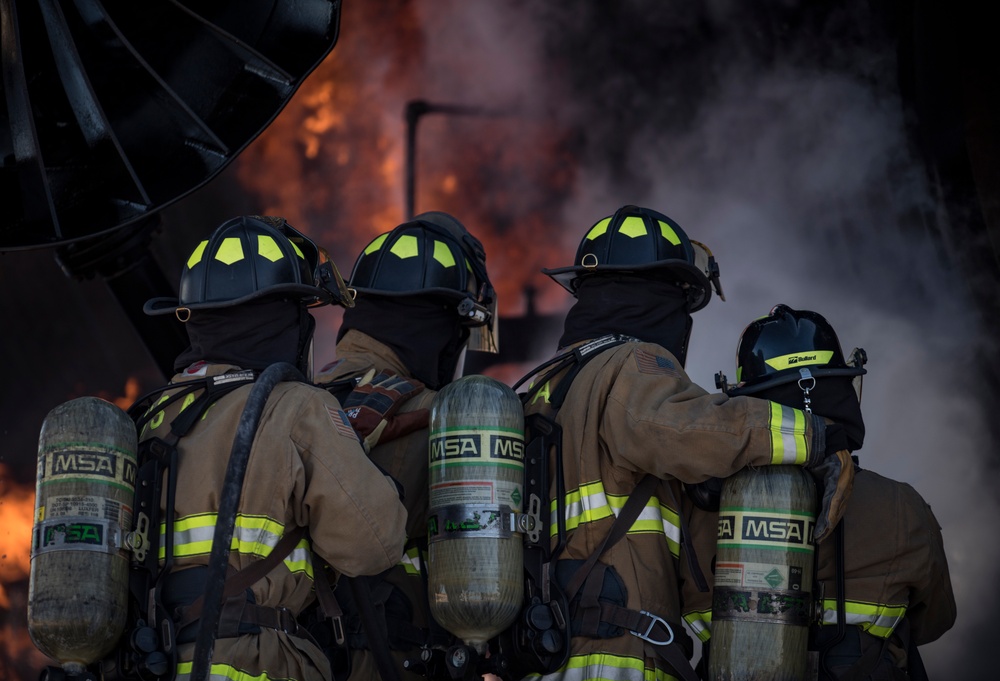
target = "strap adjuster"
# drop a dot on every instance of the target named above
(653, 621)
(286, 620)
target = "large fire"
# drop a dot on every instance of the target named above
(334, 161)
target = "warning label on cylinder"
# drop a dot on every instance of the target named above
(475, 492)
(766, 530)
(85, 506)
(464, 446)
(759, 576)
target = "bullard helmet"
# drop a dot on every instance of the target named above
(774, 349)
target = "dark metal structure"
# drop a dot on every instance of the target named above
(112, 110)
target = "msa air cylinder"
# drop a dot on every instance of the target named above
(475, 550)
(78, 588)
(761, 603)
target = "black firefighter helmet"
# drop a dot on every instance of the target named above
(641, 240)
(773, 349)
(252, 257)
(432, 254)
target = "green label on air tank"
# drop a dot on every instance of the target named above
(477, 446)
(76, 534)
(765, 530)
(92, 465)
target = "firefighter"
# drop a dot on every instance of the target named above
(245, 294)
(883, 575)
(631, 417)
(422, 298)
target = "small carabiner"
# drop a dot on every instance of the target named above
(655, 619)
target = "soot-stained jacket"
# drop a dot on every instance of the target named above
(632, 410)
(306, 468)
(897, 586)
(405, 459)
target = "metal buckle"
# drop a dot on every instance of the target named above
(654, 619)
(286, 620)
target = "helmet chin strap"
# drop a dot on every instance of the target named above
(806, 383)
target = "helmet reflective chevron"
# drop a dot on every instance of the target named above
(432, 255)
(251, 257)
(641, 240)
(773, 349)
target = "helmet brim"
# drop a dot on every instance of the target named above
(684, 272)
(164, 306)
(791, 377)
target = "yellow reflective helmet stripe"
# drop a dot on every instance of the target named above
(268, 248)
(633, 226)
(598, 229)
(607, 667)
(591, 503)
(406, 246)
(230, 250)
(197, 255)
(376, 244)
(443, 254)
(799, 359)
(668, 233)
(788, 435)
(876, 619)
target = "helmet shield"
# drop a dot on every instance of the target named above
(251, 257)
(642, 240)
(774, 349)
(433, 255)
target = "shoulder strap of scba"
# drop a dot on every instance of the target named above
(544, 440)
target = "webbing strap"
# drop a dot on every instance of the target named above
(251, 574)
(628, 515)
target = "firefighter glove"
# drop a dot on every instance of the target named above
(835, 478)
(371, 408)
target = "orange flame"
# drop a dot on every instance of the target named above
(17, 509)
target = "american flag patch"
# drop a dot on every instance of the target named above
(341, 423)
(654, 364)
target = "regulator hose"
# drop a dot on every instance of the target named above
(232, 488)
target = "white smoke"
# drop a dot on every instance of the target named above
(801, 182)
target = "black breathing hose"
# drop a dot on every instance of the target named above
(232, 489)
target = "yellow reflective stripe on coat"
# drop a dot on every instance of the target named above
(591, 503)
(252, 535)
(700, 623)
(605, 667)
(219, 672)
(411, 561)
(877, 620)
(788, 435)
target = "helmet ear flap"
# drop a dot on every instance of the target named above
(857, 360)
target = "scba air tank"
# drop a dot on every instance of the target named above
(475, 551)
(78, 588)
(762, 601)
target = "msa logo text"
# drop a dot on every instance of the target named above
(92, 463)
(471, 447)
(727, 526)
(774, 529)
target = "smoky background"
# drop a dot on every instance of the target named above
(773, 132)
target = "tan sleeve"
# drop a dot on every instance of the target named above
(662, 423)
(932, 609)
(355, 518)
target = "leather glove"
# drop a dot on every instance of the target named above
(833, 470)
(371, 408)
